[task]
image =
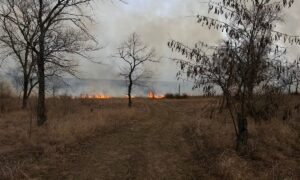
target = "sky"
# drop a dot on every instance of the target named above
(156, 22)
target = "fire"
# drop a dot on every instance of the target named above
(95, 96)
(152, 95)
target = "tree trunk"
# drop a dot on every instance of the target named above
(129, 93)
(242, 137)
(25, 93)
(41, 106)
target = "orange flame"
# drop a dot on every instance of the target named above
(152, 95)
(95, 96)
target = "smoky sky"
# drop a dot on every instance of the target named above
(156, 22)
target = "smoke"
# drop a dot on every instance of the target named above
(157, 22)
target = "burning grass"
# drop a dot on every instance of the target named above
(168, 139)
(153, 95)
(95, 96)
(101, 95)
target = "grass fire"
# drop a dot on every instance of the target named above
(147, 89)
(95, 96)
(153, 95)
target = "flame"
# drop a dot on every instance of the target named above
(95, 96)
(152, 95)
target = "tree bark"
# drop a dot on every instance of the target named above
(242, 136)
(41, 106)
(25, 93)
(129, 93)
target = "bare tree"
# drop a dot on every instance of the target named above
(58, 18)
(135, 54)
(248, 59)
(58, 33)
(15, 27)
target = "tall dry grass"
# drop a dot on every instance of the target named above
(273, 150)
(70, 122)
(203, 137)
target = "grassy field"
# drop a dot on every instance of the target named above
(156, 139)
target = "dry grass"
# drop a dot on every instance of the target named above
(70, 122)
(171, 139)
(273, 152)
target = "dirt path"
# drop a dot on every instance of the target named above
(146, 149)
